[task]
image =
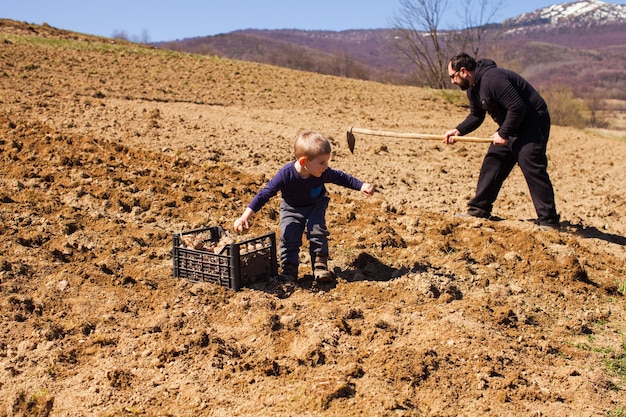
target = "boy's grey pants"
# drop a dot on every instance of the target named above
(294, 221)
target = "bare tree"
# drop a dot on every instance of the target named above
(120, 34)
(595, 104)
(144, 38)
(420, 38)
(478, 15)
(123, 35)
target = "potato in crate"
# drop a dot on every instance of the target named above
(210, 255)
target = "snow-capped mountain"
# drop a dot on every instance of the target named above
(579, 13)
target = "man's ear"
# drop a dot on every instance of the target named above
(302, 160)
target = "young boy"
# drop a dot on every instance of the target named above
(304, 204)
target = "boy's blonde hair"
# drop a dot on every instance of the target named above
(311, 145)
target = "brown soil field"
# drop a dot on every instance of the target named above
(108, 148)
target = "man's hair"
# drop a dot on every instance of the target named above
(311, 145)
(462, 61)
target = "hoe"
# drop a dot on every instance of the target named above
(353, 130)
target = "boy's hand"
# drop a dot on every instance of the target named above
(367, 189)
(241, 225)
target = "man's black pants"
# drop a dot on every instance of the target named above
(529, 152)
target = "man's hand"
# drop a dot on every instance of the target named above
(449, 136)
(498, 140)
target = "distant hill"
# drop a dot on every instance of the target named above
(364, 54)
(581, 44)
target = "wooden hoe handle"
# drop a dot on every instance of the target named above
(416, 135)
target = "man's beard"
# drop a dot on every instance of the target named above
(464, 84)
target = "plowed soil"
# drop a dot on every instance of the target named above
(108, 148)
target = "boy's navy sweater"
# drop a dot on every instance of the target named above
(298, 191)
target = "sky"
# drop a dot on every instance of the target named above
(160, 20)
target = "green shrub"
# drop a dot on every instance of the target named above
(565, 108)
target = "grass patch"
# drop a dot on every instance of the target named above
(617, 365)
(621, 287)
(453, 97)
(105, 45)
(618, 412)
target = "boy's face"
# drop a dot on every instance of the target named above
(317, 165)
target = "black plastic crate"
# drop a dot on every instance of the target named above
(234, 265)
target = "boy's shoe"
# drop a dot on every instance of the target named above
(321, 273)
(464, 216)
(548, 227)
(474, 216)
(289, 273)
